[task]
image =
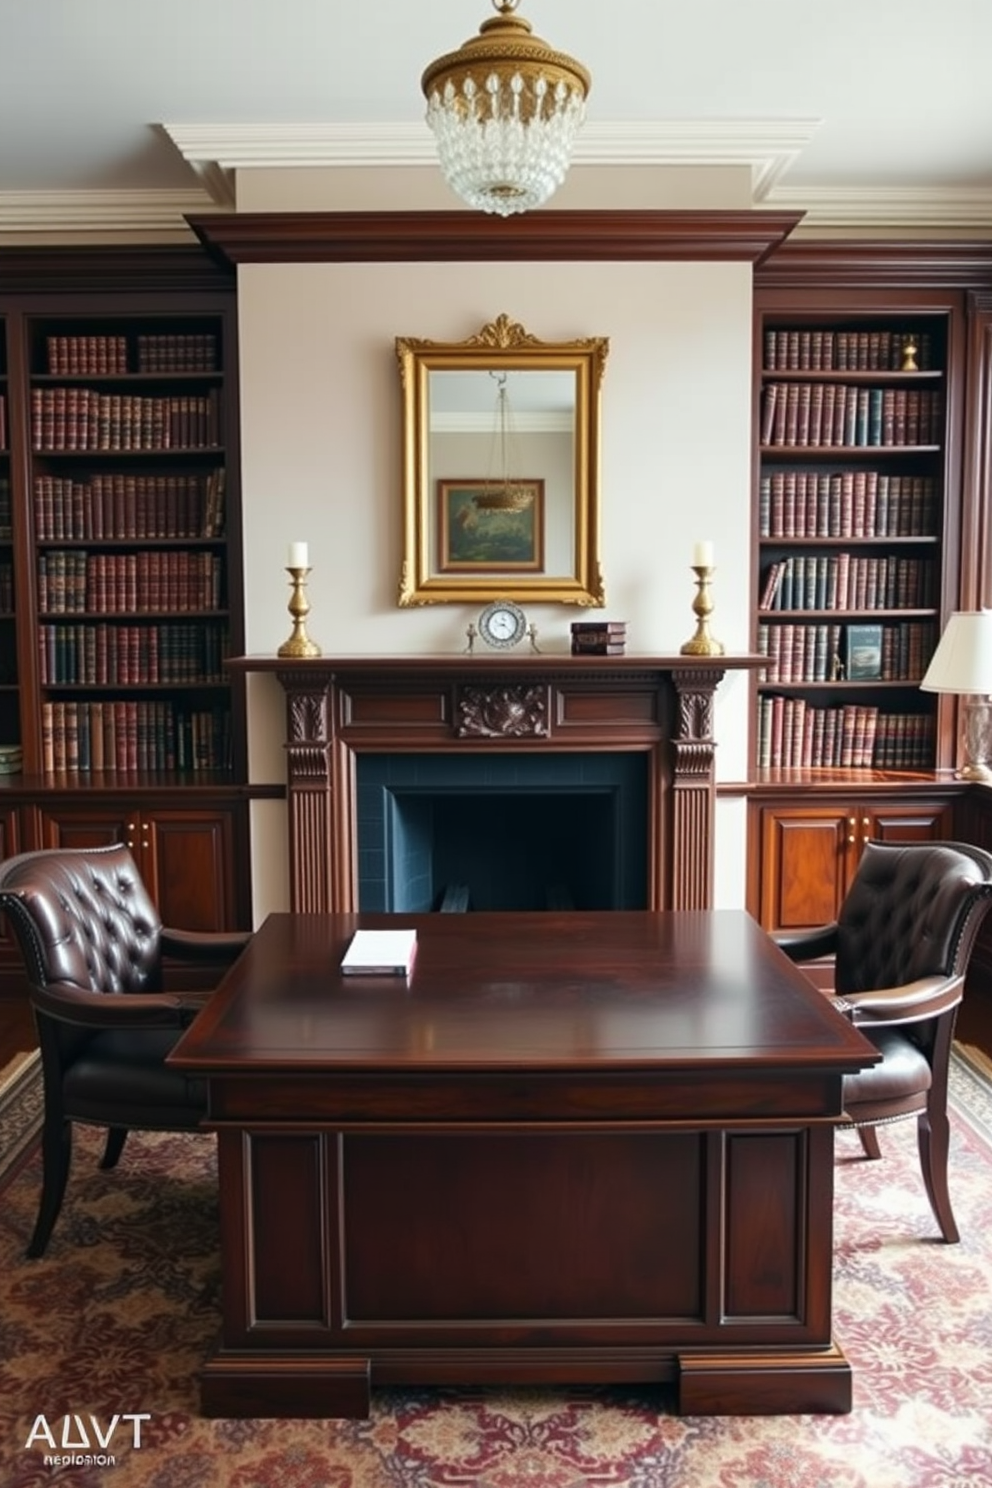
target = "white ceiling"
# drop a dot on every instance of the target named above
(860, 110)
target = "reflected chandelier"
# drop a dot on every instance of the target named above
(501, 492)
(505, 110)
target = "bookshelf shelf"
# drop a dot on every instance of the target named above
(836, 452)
(856, 379)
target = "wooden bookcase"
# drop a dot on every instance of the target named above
(896, 503)
(120, 473)
(857, 486)
(9, 720)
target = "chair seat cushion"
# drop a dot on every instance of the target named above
(119, 1078)
(903, 1072)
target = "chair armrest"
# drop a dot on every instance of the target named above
(806, 945)
(204, 945)
(71, 1004)
(909, 1003)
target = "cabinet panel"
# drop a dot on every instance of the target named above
(803, 865)
(188, 857)
(11, 842)
(87, 826)
(927, 821)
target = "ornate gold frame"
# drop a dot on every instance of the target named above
(501, 345)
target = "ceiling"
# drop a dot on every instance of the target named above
(123, 113)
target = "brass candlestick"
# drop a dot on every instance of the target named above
(299, 643)
(702, 643)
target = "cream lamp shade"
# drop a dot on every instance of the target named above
(962, 664)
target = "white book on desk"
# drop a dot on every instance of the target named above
(380, 953)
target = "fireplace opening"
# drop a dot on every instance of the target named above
(499, 832)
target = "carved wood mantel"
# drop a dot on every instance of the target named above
(338, 707)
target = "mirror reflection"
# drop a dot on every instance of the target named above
(501, 481)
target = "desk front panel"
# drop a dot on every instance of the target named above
(647, 1237)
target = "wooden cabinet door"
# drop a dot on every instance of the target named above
(11, 842)
(809, 853)
(805, 852)
(187, 856)
(188, 861)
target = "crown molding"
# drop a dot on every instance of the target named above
(767, 150)
(465, 237)
(768, 147)
(885, 263)
(77, 214)
(945, 208)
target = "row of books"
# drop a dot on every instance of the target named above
(3, 421)
(831, 653)
(175, 580)
(109, 355)
(792, 349)
(5, 515)
(849, 581)
(99, 655)
(816, 415)
(120, 506)
(846, 503)
(118, 736)
(793, 734)
(80, 418)
(6, 588)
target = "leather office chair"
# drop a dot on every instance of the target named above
(902, 944)
(93, 948)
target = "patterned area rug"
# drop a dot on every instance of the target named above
(21, 1103)
(121, 1313)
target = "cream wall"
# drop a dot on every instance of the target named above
(321, 419)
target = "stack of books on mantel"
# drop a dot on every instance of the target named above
(599, 637)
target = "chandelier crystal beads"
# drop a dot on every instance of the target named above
(505, 110)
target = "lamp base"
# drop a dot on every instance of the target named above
(974, 771)
(976, 739)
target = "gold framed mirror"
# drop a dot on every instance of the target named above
(501, 468)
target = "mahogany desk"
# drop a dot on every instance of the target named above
(576, 1147)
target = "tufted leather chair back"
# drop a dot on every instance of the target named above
(84, 919)
(913, 910)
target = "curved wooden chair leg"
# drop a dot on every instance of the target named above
(869, 1141)
(116, 1137)
(56, 1155)
(933, 1138)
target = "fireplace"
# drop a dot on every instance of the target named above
(498, 831)
(537, 724)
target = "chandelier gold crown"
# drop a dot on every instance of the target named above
(505, 110)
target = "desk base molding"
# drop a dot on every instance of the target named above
(765, 1384)
(242, 1385)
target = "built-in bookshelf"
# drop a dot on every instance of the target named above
(10, 734)
(128, 493)
(852, 481)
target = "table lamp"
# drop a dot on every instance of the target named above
(962, 664)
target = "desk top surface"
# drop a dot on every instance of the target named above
(537, 990)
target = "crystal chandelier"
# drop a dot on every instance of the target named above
(501, 492)
(505, 110)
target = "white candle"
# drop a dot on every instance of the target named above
(702, 555)
(298, 556)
